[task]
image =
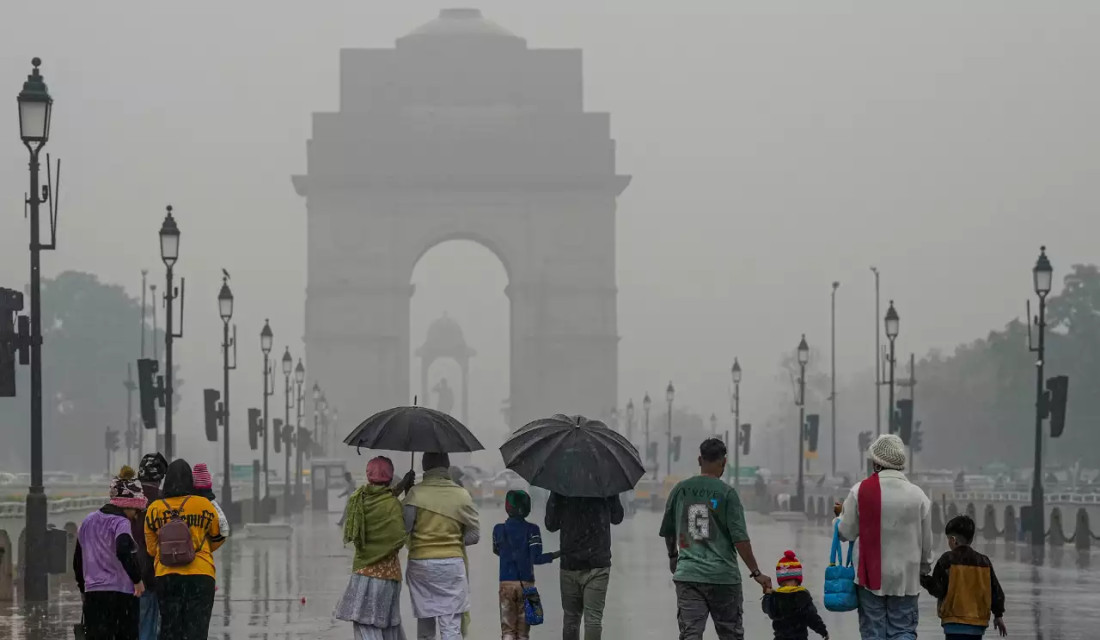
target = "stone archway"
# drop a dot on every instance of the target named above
(461, 132)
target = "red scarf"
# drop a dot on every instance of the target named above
(869, 572)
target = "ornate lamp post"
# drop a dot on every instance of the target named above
(288, 430)
(1042, 278)
(803, 358)
(832, 377)
(670, 394)
(299, 379)
(646, 404)
(225, 310)
(169, 254)
(892, 322)
(35, 111)
(266, 337)
(735, 408)
(630, 420)
(318, 396)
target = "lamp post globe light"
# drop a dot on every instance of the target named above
(299, 379)
(225, 310)
(893, 324)
(646, 404)
(35, 111)
(266, 338)
(803, 359)
(169, 254)
(670, 395)
(735, 409)
(1042, 276)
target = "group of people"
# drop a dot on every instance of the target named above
(890, 518)
(144, 562)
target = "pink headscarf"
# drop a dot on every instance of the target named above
(380, 471)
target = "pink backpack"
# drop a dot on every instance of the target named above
(176, 547)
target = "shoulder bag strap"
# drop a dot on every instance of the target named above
(834, 550)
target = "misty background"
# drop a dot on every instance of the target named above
(773, 149)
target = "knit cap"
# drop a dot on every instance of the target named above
(200, 475)
(125, 491)
(152, 468)
(788, 568)
(888, 452)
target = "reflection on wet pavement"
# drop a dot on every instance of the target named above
(276, 589)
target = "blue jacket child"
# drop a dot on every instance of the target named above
(519, 545)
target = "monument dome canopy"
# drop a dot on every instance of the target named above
(461, 23)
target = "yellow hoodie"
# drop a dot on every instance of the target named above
(206, 535)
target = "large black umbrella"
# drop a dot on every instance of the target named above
(413, 429)
(573, 456)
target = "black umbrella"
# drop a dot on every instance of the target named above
(573, 456)
(413, 429)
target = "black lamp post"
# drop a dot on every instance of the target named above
(35, 110)
(803, 358)
(892, 326)
(646, 404)
(318, 395)
(1042, 277)
(169, 253)
(630, 420)
(735, 408)
(288, 430)
(299, 379)
(266, 337)
(225, 310)
(670, 394)
(832, 376)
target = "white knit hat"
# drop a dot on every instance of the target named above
(888, 452)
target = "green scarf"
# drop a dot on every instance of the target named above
(374, 524)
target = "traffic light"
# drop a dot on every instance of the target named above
(12, 342)
(288, 437)
(813, 422)
(746, 433)
(131, 438)
(916, 444)
(305, 442)
(255, 427)
(864, 441)
(111, 439)
(904, 419)
(277, 430)
(1057, 393)
(651, 455)
(212, 412)
(150, 391)
(676, 448)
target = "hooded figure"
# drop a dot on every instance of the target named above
(519, 545)
(151, 472)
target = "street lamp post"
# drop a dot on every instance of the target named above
(832, 376)
(878, 359)
(892, 322)
(225, 310)
(317, 397)
(299, 379)
(670, 394)
(630, 421)
(735, 408)
(288, 368)
(646, 404)
(1042, 277)
(35, 107)
(714, 425)
(266, 337)
(803, 358)
(169, 254)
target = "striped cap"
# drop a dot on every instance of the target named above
(788, 568)
(201, 477)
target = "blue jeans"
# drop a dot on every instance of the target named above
(149, 624)
(887, 617)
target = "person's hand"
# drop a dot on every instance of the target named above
(999, 623)
(555, 554)
(837, 508)
(765, 581)
(672, 562)
(139, 589)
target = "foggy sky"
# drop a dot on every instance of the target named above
(774, 149)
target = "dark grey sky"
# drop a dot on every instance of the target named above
(775, 147)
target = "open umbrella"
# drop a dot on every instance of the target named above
(413, 429)
(573, 456)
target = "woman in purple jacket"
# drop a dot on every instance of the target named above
(106, 563)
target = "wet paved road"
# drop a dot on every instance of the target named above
(262, 585)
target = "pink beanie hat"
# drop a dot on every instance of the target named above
(200, 475)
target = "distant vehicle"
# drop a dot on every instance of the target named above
(7, 478)
(493, 490)
(59, 477)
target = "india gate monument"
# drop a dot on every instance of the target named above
(461, 131)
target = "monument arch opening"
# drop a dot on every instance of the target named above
(462, 132)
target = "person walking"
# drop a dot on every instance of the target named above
(349, 489)
(891, 519)
(374, 524)
(185, 588)
(518, 543)
(106, 565)
(704, 531)
(965, 586)
(442, 521)
(791, 607)
(585, 526)
(151, 472)
(204, 486)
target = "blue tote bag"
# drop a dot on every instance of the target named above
(840, 579)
